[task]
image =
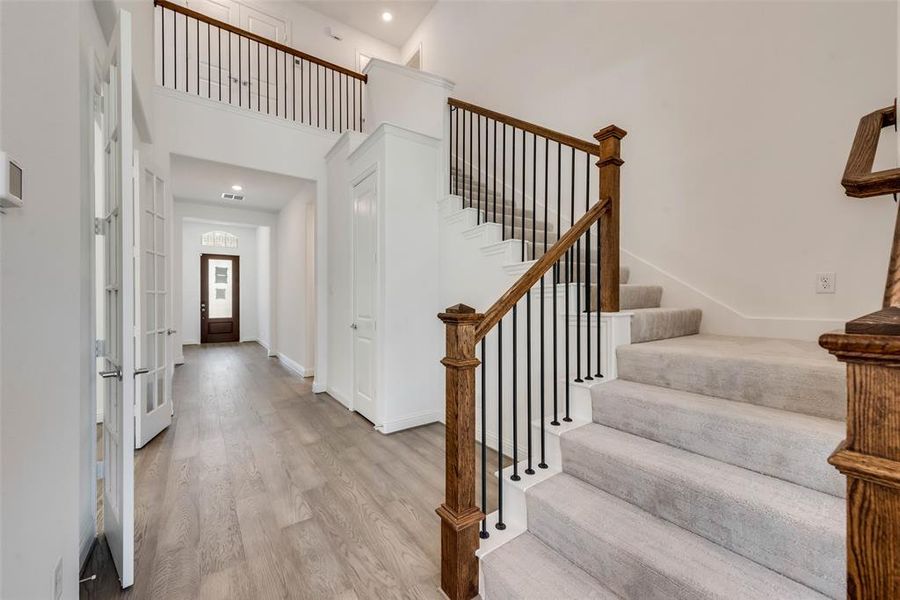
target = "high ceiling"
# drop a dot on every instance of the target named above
(204, 181)
(365, 15)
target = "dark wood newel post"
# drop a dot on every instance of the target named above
(870, 455)
(609, 162)
(459, 514)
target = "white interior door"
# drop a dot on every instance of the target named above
(153, 409)
(118, 346)
(365, 264)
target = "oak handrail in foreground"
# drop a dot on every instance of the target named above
(465, 327)
(859, 181)
(870, 454)
(258, 38)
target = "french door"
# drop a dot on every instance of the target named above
(153, 409)
(117, 350)
(220, 298)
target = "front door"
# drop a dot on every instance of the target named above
(220, 281)
(117, 349)
(364, 281)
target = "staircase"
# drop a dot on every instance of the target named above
(700, 468)
(702, 475)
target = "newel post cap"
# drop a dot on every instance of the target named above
(459, 313)
(610, 131)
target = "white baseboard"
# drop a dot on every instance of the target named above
(295, 366)
(84, 550)
(318, 388)
(719, 317)
(410, 421)
(340, 397)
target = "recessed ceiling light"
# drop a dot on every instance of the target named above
(387, 17)
(236, 188)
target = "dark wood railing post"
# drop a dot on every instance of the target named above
(870, 455)
(459, 514)
(609, 163)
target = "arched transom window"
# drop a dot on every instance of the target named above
(219, 239)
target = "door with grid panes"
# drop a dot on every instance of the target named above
(154, 401)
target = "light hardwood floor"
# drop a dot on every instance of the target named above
(261, 489)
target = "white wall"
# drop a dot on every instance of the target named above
(740, 117)
(308, 34)
(190, 284)
(45, 384)
(264, 282)
(295, 321)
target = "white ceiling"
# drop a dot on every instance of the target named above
(197, 180)
(365, 15)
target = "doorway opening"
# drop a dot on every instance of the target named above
(220, 298)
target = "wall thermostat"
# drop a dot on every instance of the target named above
(10, 182)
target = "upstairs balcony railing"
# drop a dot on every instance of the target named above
(218, 61)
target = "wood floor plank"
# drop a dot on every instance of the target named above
(262, 490)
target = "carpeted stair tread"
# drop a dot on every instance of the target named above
(787, 445)
(786, 527)
(649, 324)
(791, 375)
(641, 557)
(526, 568)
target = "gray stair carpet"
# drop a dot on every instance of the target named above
(791, 375)
(650, 324)
(639, 556)
(528, 569)
(786, 445)
(791, 529)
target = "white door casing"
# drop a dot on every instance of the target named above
(153, 409)
(365, 265)
(118, 346)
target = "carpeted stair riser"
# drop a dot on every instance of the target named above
(786, 376)
(786, 445)
(649, 324)
(793, 530)
(640, 557)
(526, 568)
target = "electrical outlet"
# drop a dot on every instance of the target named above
(57, 580)
(825, 283)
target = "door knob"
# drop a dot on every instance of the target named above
(141, 371)
(171, 331)
(353, 326)
(111, 373)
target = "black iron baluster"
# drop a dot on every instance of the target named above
(533, 196)
(503, 189)
(332, 100)
(500, 524)
(577, 289)
(478, 187)
(566, 328)
(268, 79)
(484, 468)
(599, 374)
(208, 65)
(258, 81)
(470, 155)
(163, 44)
(450, 170)
(219, 60)
(543, 310)
(317, 97)
(512, 202)
(494, 171)
(524, 203)
(229, 67)
(528, 385)
(556, 278)
(197, 41)
(587, 275)
(515, 395)
(454, 172)
(187, 36)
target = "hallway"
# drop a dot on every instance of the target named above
(261, 489)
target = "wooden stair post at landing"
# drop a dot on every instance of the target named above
(609, 163)
(870, 455)
(459, 514)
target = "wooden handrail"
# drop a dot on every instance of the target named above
(556, 136)
(521, 287)
(259, 39)
(859, 181)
